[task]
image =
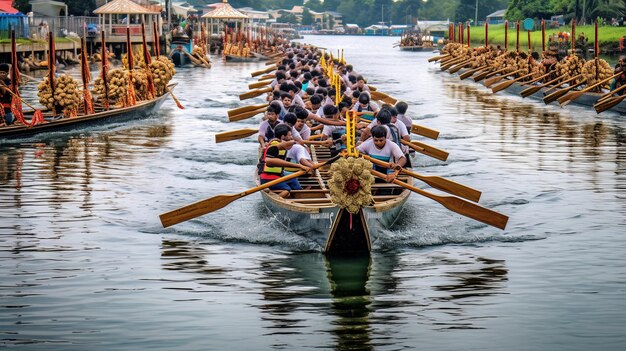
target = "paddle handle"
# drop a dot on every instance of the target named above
(610, 94)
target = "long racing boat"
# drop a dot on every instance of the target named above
(139, 110)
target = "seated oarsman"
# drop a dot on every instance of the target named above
(279, 79)
(5, 95)
(360, 85)
(621, 79)
(396, 131)
(402, 107)
(365, 105)
(298, 155)
(380, 148)
(290, 119)
(285, 102)
(334, 134)
(301, 126)
(273, 160)
(268, 126)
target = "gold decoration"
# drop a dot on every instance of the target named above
(351, 183)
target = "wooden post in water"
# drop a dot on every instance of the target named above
(529, 48)
(517, 36)
(543, 35)
(486, 34)
(506, 35)
(596, 49)
(469, 45)
(573, 37)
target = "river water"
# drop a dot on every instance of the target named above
(85, 263)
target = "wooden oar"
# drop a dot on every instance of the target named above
(556, 86)
(246, 115)
(254, 93)
(240, 110)
(608, 103)
(263, 71)
(610, 94)
(214, 203)
(460, 206)
(493, 80)
(457, 67)
(529, 91)
(259, 84)
(471, 72)
(557, 94)
(424, 131)
(178, 104)
(573, 95)
(488, 74)
(536, 79)
(461, 60)
(436, 182)
(437, 58)
(267, 76)
(508, 83)
(235, 134)
(426, 149)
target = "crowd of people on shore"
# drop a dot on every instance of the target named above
(303, 105)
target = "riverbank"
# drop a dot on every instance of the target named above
(609, 36)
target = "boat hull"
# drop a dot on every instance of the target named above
(141, 109)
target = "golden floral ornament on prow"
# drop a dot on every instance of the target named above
(351, 183)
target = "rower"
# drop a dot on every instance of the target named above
(335, 134)
(273, 161)
(380, 148)
(268, 126)
(621, 79)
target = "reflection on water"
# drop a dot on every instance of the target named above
(361, 297)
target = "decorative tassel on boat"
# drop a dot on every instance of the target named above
(88, 102)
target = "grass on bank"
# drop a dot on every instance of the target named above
(608, 36)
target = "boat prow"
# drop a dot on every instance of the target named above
(312, 213)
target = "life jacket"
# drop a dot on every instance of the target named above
(267, 172)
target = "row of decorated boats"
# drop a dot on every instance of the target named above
(346, 220)
(119, 94)
(552, 79)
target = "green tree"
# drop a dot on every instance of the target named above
(287, 17)
(22, 5)
(521, 9)
(315, 5)
(80, 7)
(307, 18)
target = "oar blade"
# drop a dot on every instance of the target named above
(425, 131)
(450, 187)
(240, 110)
(493, 80)
(246, 115)
(473, 211)
(502, 86)
(234, 134)
(571, 96)
(609, 103)
(529, 91)
(196, 209)
(557, 94)
(431, 151)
